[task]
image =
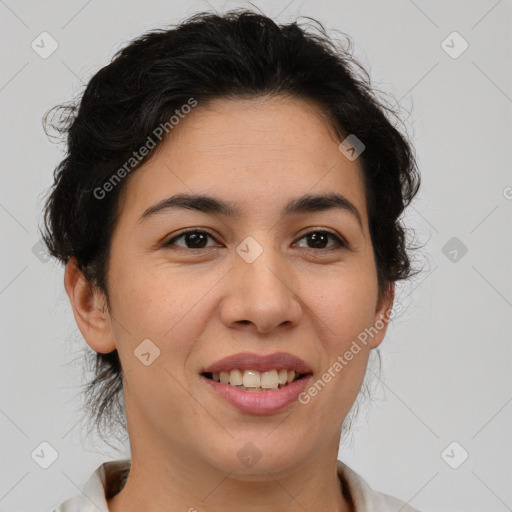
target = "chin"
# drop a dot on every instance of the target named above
(256, 456)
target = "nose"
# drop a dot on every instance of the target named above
(260, 295)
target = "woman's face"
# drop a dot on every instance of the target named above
(252, 282)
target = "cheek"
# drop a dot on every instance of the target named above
(152, 299)
(345, 305)
(164, 306)
(169, 312)
(344, 310)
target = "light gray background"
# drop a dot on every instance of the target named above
(447, 357)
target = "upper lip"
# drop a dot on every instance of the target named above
(252, 361)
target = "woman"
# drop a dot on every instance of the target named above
(228, 216)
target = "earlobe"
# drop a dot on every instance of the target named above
(89, 309)
(382, 315)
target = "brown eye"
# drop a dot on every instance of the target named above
(319, 239)
(194, 239)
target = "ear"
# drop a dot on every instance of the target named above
(382, 314)
(89, 309)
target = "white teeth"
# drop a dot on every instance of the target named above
(251, 379)
(235, 377)
(270, 379)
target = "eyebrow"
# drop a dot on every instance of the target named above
(307, 203)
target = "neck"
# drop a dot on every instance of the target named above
(181, 484)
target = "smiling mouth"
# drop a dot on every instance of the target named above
(255, 381)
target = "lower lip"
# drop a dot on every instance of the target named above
(260, 402)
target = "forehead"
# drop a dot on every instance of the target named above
(255, 152)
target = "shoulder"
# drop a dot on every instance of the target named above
(106, 480)
(366, 499)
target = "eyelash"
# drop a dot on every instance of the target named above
(341, 244)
